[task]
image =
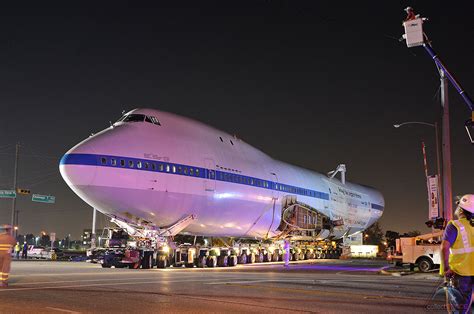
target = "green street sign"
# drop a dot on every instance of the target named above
(43, 198)
(7, 194)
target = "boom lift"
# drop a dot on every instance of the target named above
(414, 37)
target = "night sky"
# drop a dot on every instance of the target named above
(310, 83)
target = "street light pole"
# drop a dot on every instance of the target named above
(15, 177)
(441, 188)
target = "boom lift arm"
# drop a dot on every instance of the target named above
(414, 37)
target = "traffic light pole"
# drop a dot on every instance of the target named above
(15, 176)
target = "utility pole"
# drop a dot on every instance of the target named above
(15, 177)
(440, 176)
(446, 145)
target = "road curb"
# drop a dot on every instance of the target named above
(396, 273)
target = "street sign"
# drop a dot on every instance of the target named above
(43, 198)
(433, 196)
(7, 194)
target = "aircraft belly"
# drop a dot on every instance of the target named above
(215, 217)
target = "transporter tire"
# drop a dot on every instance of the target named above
(211, 261)
(251, 258)
(222, 261)
(296, 257)
(424, 264)
(260, 258)
(307, 255)
(232, 260)
(202, 262)
(275, 257)
(162, 261)
(147, 261)
(323, 255)
(243, 258)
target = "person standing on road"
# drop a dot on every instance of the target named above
(24, 253)
(6, 244)
(457, 251)
(17, 250)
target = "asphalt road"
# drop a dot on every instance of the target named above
(321, 287)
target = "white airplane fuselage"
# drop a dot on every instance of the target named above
(167, 167)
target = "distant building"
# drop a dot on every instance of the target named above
(86, 237)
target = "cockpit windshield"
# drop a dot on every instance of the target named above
(134, 117)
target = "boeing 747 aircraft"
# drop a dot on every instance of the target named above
(153, 168)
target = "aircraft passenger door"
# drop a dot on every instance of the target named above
(210, 175)
(275, 187)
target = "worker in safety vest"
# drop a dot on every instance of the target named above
(17, 250)
(457, 252)
(6, 244)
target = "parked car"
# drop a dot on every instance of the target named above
(38, 252)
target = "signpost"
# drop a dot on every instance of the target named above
(52, 237)
(7, 194)
(43, 198)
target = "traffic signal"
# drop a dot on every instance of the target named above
(23, 191)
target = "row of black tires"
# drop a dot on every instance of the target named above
(162, 261)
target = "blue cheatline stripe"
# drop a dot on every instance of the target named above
(376, 206)
(190, 171)
(79, 159)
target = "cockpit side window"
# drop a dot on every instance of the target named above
(134, 117)
(154, 120)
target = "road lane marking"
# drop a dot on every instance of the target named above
(96, 285)
(321, 292)
(62, 310)
(261, 281)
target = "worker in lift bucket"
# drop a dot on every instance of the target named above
(6, 244)
(457, 253)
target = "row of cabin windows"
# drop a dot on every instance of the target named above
(191, 171)
(229, 177)
(153, 166)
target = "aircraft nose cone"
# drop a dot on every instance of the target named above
(79, 165)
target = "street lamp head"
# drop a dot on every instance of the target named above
(396, 126)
